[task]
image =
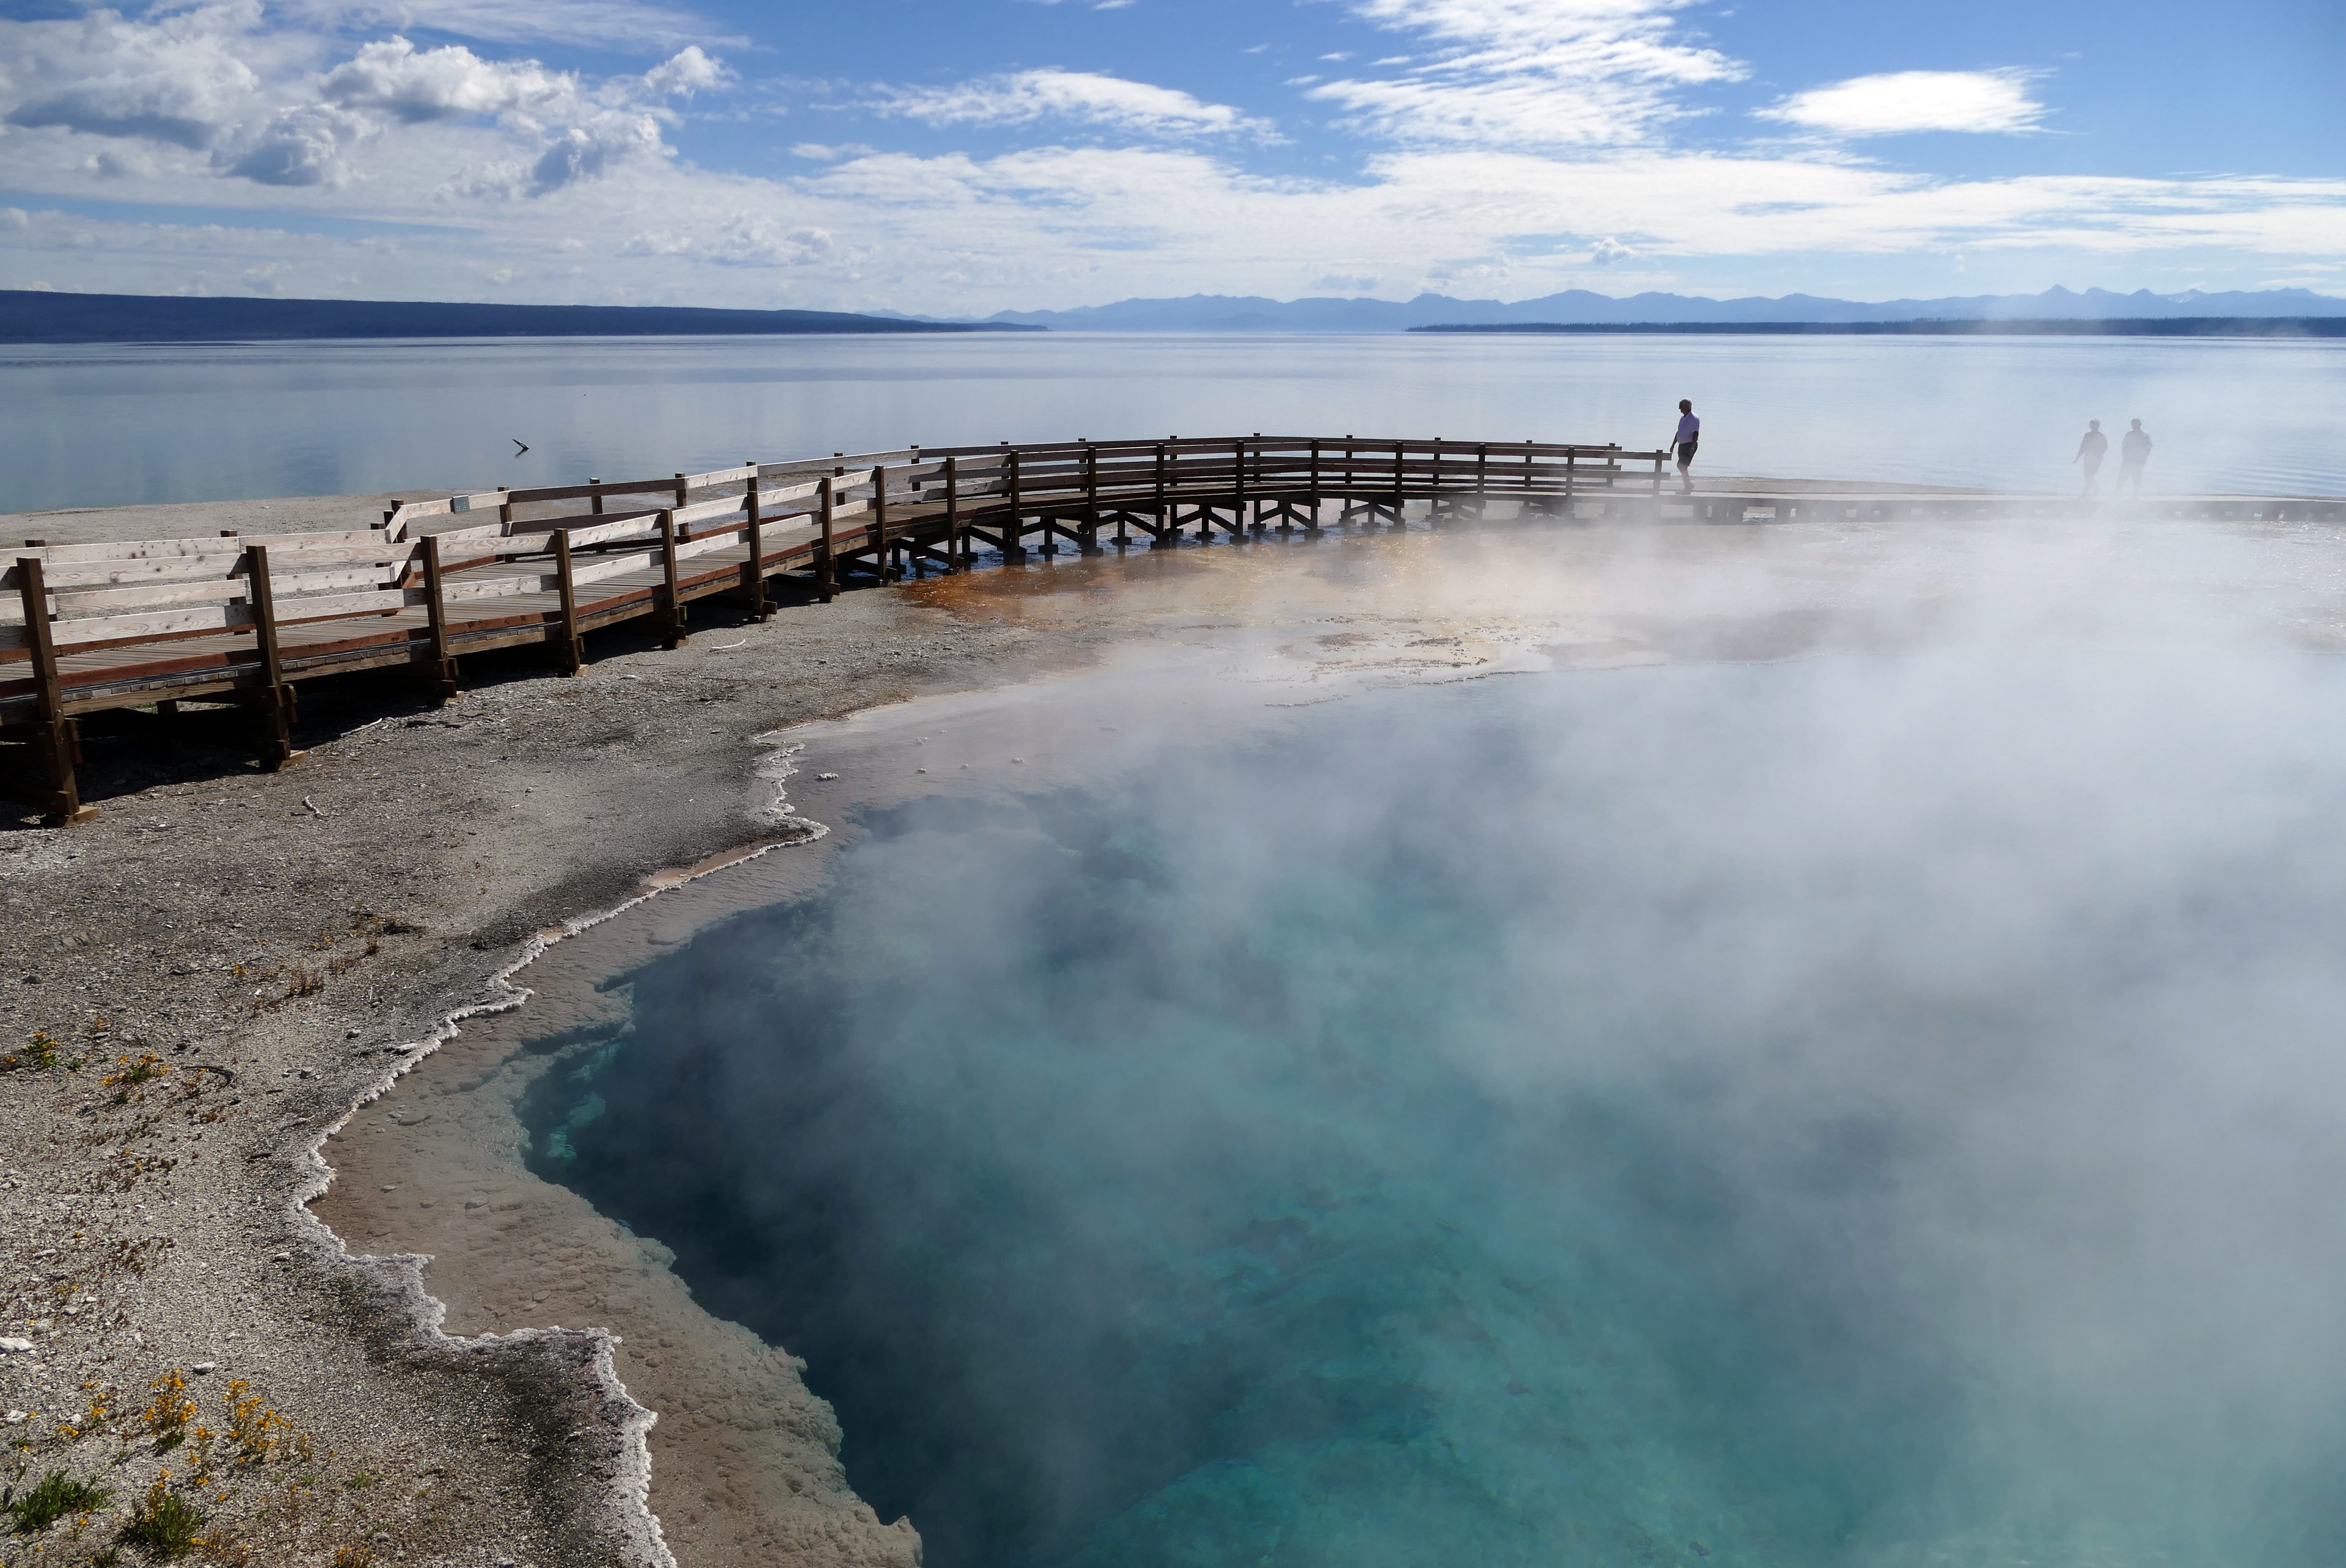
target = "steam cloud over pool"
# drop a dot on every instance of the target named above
(1874, 1108)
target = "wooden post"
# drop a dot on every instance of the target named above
(1252, 517)
(1014, 536)
(1124, 512)
(1091, 499)
(672, 630)
(1571, 475)
(1312, 501)
(278, 711)
(439, 670)
(55, 738)
(504, 508)
(1659, 458)
(1482, 476)
(570, 649)
(826, 575)
(594, 502)
(1240, 514)
(1205, 507)
(756, 565)
(681, 493)
(1401, 497)
(880, 522)
(1163, 513)
(956, 546)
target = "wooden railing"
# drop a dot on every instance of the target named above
(241, 618)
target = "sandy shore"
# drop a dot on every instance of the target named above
(282, 946)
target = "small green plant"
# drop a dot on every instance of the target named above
(146, 1069)
(50, 1499)
(253, 1428)
(167, 1418)
(39, 1055)
(163, 1526)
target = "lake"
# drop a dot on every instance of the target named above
(113, 424)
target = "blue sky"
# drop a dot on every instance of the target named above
(966, 158)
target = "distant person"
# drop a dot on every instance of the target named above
(1688, 437)
(2090, 451)
(2133, 451)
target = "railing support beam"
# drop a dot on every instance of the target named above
(56, 741)
(279, 706)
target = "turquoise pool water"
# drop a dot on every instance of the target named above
(1858, 1111)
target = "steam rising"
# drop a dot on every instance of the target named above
(1864, 1090)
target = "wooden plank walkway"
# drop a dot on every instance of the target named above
(85, 627)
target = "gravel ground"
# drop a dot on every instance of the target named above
(228, 961)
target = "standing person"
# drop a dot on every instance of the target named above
(1688, 437)
(2133, 451)
(2090, 451)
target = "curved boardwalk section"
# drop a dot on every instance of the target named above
(90, 626)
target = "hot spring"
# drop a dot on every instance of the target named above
(1877, 1106)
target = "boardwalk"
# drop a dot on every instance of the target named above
(90, 627)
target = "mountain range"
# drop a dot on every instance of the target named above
(1238, 313)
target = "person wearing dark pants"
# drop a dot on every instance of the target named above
(2091, 450)
(1688, 437)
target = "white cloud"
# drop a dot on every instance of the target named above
(1903, 101)
(1025, 98)
(594, 148)
(1062, 226)
(744, 239)
(1528, 73)
(689, 72)
(178, 81)
(608, 23)
(305, 146)
(121, 161)
(1509, 124)
(394, 78)
(177, 96)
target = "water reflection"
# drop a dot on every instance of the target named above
(110, 424)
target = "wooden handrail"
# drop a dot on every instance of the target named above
(113, 624)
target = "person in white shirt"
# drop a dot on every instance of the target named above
(2133, 451)
(2090, 452)
(1688, 437)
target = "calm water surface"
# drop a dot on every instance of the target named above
(110, 424)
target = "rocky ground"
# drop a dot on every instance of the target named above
(205, 981)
